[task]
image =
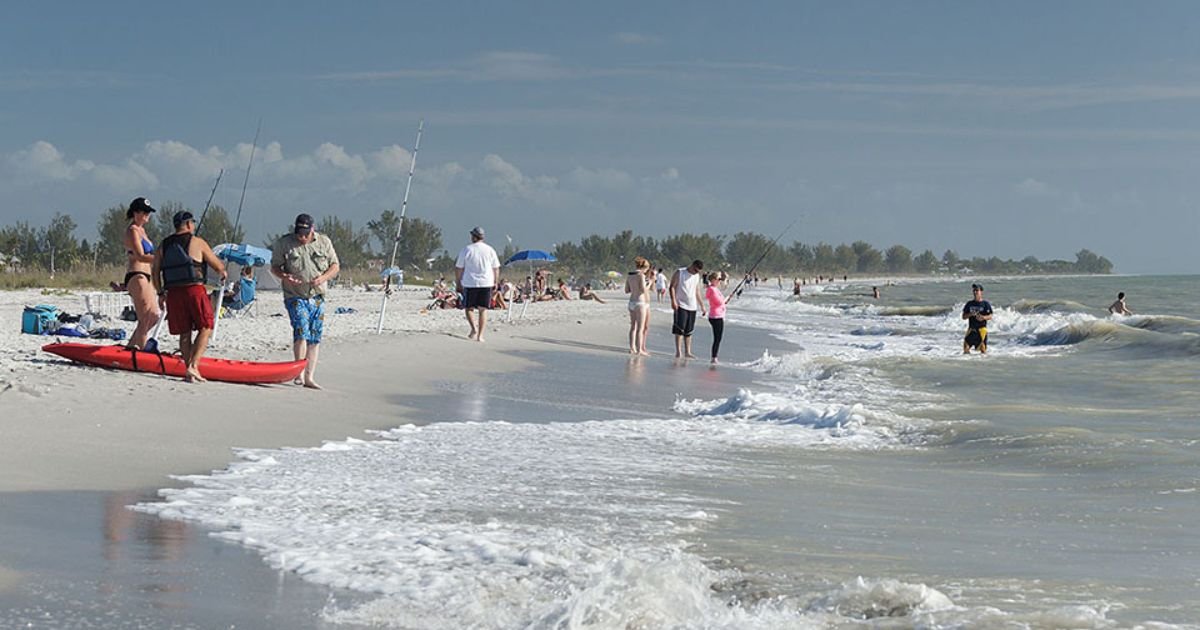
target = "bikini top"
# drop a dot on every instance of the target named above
(147, 247)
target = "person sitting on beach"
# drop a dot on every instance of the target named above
(233, 296)
(1118, 307)
(562, 292)
(586, 293)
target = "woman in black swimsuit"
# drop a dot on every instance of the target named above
(139, 251)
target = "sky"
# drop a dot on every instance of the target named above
(994, 129)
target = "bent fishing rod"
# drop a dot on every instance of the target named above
(208, 203)
(387, 280)
(736, 290)
(246, 181)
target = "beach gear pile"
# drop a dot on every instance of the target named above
(46, 319)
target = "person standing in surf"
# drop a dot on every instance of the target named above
(1118, 307)
(304, 261)
(477, 271)
(660, 284)
(716, 312)
(977, 312)
(139, 251)
(179, 273)
(637, 285)
(686, 297)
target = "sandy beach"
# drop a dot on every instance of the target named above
(69, 427)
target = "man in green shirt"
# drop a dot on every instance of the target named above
(304, 261)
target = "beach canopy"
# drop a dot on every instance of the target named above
(531, 256)
(613, 274)
(243, 254)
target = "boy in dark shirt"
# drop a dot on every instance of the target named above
(977, 312)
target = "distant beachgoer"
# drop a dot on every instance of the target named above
(586, 293)
(651, 278)
(235, 290)
(875, 292)
(139, 251)
(796, 287)
(637, 285)
(477, 271)
(978, 311)
(685, 299)
(179, 273)
(660, 284)
(716, 312)
(1118, 307)
(304, 261)
(562, 291)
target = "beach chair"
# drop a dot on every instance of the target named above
(243, 301)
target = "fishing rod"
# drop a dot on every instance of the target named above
(736, 290)
(246, 181)
(209, 202)
(387, 279)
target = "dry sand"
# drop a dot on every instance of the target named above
(68, 427)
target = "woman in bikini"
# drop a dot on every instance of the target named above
(140, 252)
(638, 288)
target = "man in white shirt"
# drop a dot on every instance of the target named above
(686, 296)
(477, 271)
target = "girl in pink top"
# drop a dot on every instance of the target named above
(716, 311)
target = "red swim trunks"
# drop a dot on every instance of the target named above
(188, 309)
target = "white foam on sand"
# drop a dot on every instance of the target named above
(498, 525)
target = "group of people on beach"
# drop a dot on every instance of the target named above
(172, 277)
(689, 290)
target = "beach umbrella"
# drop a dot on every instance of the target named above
(612, 274)
(532, 257)
(243, 254)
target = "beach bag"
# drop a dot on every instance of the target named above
(39, 320)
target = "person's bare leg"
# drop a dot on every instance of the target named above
(197, 351)
(146, 307)
(471, 321)
(482, 324)
(299, 351)
(311, 366)
(635, 330)
(687, 347)
(678, 346)
(645, 331)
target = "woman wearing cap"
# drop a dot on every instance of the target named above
(139, 252)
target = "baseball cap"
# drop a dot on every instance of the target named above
(182, 217)
(477, 232)
(304, 224)
(977, 286)
(141, 204)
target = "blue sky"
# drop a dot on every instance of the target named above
(1024, 128)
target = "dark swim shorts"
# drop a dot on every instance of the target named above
(685, 322)
(478, 297)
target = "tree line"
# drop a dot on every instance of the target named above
(55, 247)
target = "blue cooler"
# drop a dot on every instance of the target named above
(39, 320)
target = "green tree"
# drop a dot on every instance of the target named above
(845, 258)
(899, 259)
(217, 227)
(823, 258)
(926, 262)
(951, 260)
(744, 250)
(802, 256)
(59, 241)
(110, 230)
(420, 240)
(682, 249)
(353, 248)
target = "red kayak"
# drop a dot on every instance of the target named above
(172, 365)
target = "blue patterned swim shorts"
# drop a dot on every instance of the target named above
(307, 317)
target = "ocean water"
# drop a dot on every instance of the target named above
(847, 466)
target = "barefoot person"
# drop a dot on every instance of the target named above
(686, 297)
(139, 251)
(477, 271)
(304, 261)
(179, 272)
(978, 312)
(716, 311)
(637, 285)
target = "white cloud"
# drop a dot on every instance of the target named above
(1031, 187)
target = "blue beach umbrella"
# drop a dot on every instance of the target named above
(243, 254)
(532, 257)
